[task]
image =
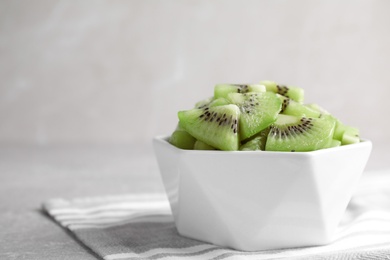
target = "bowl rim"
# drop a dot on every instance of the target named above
(362, 143)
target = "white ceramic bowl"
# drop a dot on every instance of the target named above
(256, 200)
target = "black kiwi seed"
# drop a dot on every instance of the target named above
(285, 103)
(282, 90)
(243, 88)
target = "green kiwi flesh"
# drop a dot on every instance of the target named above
(252, 145)
(318, 108)
(257, 142)
(338, 130)
(211, 102)
(204, 103)
(293, 108)
(223, 90)
(219, 102)
(199, 145)
(258, 111)
(295, 93)
(344, 134)
(334, 143)
(182, 139)
(216, 126)
(299, 134)
(350, 136)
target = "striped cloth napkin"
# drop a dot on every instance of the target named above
(141, 227)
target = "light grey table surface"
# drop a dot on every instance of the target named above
(30, 175)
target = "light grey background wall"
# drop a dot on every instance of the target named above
(118, 71)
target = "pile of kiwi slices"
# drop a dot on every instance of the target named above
(264, 116)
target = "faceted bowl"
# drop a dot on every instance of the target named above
(257, 200)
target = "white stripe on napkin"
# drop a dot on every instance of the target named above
(113, 215)
(93, 219)
(139, 205)
(145, 219)
(158, 251)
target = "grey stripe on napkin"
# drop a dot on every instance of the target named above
(141, 227)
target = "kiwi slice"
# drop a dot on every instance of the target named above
(318, 108)
(204, 103)
(339, 129)
(290, 133)
(350, 136)
(219, 102)
(293, 108)
(252, 145)
(199, 145)
(343, 134)
(334, 143)
(216, 126)
(223, 90)
(295, 93)
(257, 142)
(211, 102)
(258, 111)
(182, 139)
